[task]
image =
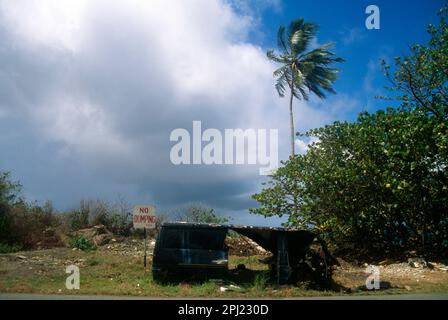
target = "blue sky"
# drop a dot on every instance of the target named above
(403, 23)
(91, 90)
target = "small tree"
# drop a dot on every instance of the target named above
(199, 213)
(420, 79)
(10, 196)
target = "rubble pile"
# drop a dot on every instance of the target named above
(99, 234)
(130, 247)
(243, 246)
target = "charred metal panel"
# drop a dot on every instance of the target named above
(199, 248)
(190, 251)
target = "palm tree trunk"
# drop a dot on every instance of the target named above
(291, 124)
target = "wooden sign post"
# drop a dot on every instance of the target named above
(143, 217)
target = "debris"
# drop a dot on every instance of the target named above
(102, 239)
(244, 246)
(229, 288)
(417, 263)
(98, 234)
(438, 266)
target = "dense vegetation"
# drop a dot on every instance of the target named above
(380, 183)
(23, 225)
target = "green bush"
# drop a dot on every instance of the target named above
(22, 224)
(9, 248)
(379, 183)
(82, 243)
(199, 213)
(114, 216)
(261, 281)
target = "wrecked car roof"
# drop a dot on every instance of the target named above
(266, 237)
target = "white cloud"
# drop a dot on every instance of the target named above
(303, 145)
(352, 35)
(103, 83)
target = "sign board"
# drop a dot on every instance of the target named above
(144, 217)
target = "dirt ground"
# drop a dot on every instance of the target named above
(116, 269)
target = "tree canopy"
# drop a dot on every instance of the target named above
(380, 182)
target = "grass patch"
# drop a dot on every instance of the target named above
(103, 272)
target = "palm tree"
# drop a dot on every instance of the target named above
(303, 71)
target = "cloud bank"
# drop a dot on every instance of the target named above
(92, 89)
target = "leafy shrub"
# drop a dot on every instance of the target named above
(381, 182)
(8, 248)
(199, 213)
(82, 243)
(28, 223)
(114, 216)
(261, 281)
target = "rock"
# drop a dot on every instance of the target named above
(417, 263)
(98, 234)
(102, 239)
(407, 288)
(229, 288)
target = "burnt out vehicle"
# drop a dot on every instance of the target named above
(187, 251)
(190, 251)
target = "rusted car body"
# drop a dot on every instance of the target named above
(194, 250)
(190, 251)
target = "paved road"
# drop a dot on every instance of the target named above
(25, 296)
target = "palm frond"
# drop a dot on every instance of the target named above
(281, 84)
(300, 34)
(276, 58)
(303, 72)
(282, 42)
